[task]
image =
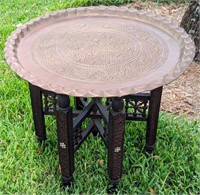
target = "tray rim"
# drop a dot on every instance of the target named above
(16, 36)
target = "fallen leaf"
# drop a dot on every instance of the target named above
(188, 112)
(152, 191)
(60, 169)
(187, 102)
(19, 117)
(100, 163)
(156, 157)
(175, 97)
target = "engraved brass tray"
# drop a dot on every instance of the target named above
(99, 51)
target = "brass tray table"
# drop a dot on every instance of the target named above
(112, 60)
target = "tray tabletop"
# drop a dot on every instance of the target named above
(99, 51)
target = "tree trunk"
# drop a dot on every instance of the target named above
(190, 22)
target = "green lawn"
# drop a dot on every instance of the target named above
(27, 167)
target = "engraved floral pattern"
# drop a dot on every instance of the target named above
(186, 48)
(100, 50)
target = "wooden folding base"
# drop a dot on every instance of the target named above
(69, 125)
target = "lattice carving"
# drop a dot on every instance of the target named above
(49, 102)
(136, 107)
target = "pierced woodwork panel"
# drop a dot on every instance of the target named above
(136, 107)
(94, 115)
(49, 102)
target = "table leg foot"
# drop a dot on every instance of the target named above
(152, 121)
(116, 141)
(65, 138)
(113, 187)
(67, 181)
(149, 149)
(37, 109)
(41, 139)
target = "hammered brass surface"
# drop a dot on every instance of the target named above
(99, 51)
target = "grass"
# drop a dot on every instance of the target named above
(27, 167)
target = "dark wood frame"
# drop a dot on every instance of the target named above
(113, 113)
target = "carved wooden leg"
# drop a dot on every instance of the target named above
(116, 141)
(37, 109)
(152, 121)
(65, 139)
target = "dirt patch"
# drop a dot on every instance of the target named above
(181, 96)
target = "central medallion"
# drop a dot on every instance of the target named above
(95, 49)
